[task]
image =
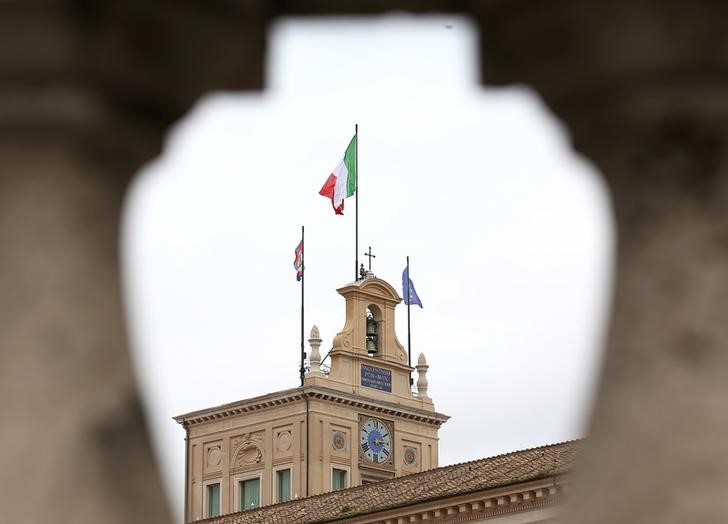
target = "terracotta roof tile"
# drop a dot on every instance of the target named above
(459, 479)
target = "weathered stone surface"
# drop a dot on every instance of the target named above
(73, 443)
(642, 88)
(88, 90)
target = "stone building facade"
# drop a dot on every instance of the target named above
(356, 424)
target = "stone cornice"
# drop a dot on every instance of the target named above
(241, 406)
(312, 392)
(381, 407)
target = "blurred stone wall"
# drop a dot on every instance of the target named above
(87, 90)
(642, 87)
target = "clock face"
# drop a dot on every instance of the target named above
(375, 441)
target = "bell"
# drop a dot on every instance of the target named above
(371, 335)
(371, 345)
(371, 327)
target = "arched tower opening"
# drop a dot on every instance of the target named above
(373, 319)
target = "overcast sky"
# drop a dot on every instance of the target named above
(509, 233)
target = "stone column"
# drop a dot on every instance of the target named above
(642, 87)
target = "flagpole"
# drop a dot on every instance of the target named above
(303, 279)
(409, 339)
(356, 201)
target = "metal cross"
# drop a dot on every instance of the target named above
(369, 254)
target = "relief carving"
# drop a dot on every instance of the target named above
(343, 339)
(284, 439)
(338, 441)
(247, 449)
(214, 457)
(401, 353)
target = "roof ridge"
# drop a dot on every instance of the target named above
(473, 461)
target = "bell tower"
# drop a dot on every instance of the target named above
(358, 421)
(367, 358)
(369, 363)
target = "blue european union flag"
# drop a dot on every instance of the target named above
(408, 289)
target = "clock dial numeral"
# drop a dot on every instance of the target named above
(386, 453)
(365, 447)
(376, 458)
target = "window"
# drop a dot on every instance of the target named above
(213, 500)
(249, 493)
(283, 485)
(338, 479)
(368, 478)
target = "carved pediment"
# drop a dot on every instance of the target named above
(372, 288)
(379, 288)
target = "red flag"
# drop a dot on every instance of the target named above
(328, 191)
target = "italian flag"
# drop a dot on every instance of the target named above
(341, 183)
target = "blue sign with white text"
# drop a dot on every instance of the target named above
(376, 378)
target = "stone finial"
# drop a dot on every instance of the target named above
(315, 357)
(422, 376)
